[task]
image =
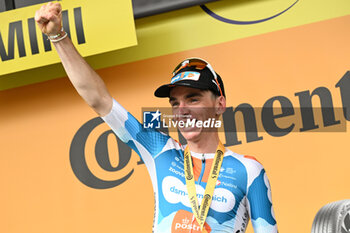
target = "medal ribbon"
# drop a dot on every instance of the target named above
(202, 212)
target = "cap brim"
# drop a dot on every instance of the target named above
(164, 90)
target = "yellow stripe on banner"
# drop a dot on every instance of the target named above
(191, 28)
(90, 24)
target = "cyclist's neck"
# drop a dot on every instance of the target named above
(206, 144)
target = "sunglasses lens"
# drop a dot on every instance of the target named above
(199, 64)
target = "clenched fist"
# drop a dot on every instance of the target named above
(49, 18)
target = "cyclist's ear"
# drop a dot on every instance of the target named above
(220, 105)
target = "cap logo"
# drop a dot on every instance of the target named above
(188, 75)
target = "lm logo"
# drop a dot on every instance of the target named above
(151, 119)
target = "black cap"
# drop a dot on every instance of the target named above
(195, 78)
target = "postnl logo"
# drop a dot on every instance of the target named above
(246, 22)
(183, 223)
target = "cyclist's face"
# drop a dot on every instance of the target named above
(195, 104)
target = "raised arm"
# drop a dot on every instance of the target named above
(86, 81)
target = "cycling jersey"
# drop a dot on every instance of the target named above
(242, 190)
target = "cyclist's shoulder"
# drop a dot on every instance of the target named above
(171, 146)
(248, 161)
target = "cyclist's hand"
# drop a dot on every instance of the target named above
(49, 18)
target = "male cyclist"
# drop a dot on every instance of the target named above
(200, 187)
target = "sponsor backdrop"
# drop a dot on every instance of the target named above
(62, 170)
(182, 30)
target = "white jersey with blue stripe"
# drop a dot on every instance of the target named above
(242, 191)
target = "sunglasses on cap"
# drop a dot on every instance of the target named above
(200, 64)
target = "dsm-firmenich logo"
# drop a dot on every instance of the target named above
(151, 119)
